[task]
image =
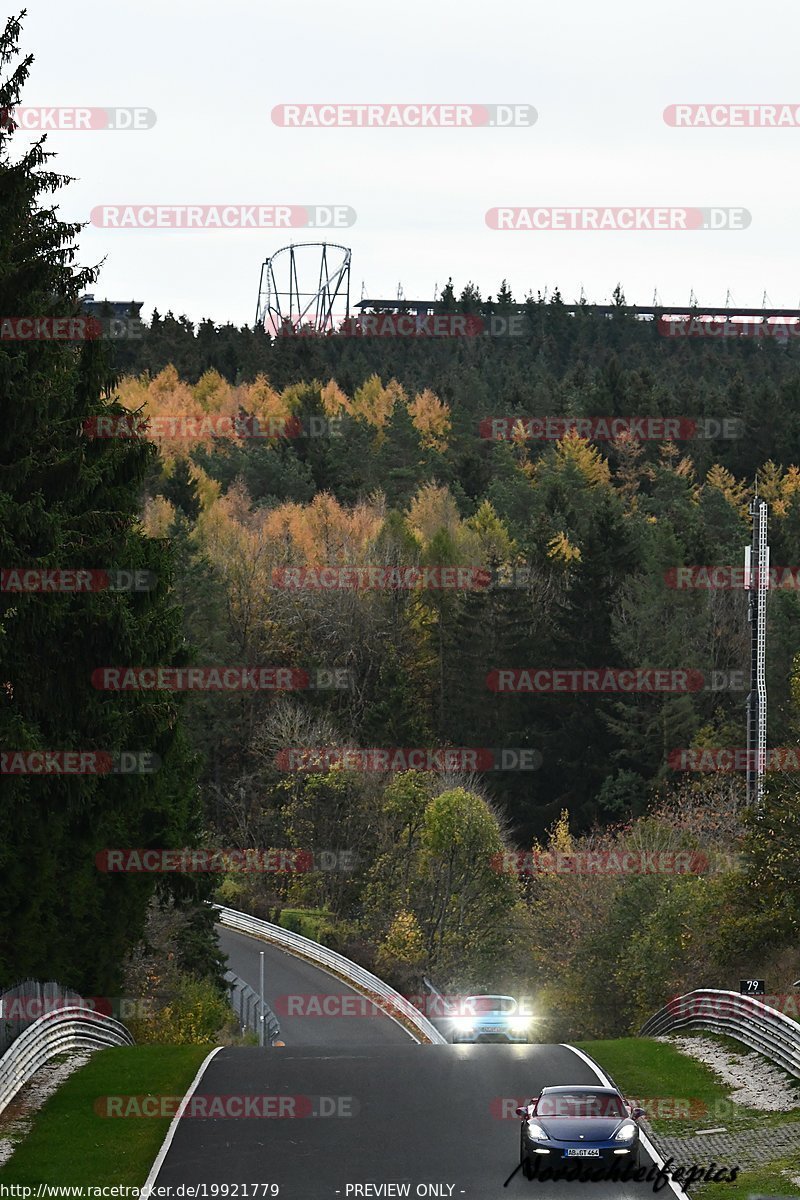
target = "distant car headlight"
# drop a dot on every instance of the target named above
(519, 1024)
(536, 1132)
(625, 1132)
(464, 1024)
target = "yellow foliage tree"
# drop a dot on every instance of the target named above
(724, 481)
(375, 403)
(433, 508)
(578, 452)
(432, 418)
(561, 549)
(403, 943)
(334, 400)
(157, 517)
(212, 392)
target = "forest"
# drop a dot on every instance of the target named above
(320, 497)
(356, 560)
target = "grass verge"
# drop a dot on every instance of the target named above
(665, 1082)
(70, 1143)
(769, 1180)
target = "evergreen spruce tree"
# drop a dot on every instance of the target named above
(68, 500)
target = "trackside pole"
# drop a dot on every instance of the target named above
(261, 1038)
(757, 583)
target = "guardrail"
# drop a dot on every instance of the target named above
(28, 1000)
(248, 1006)
(56, 1032)
(756, 1025)
(383, 996)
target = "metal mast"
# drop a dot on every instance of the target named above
(756, 581)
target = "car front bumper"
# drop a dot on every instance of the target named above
(555, 1153)
(520, 1037)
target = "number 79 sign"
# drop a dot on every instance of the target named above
(752, 987)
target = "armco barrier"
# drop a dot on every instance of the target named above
(56, 1032)
(28, 1000)
(247, 1004)
(758, 1026)
(383, 996)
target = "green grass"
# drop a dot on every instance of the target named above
(765, 1180)
(648, 1070)
(652, 1071)
(70, 1143)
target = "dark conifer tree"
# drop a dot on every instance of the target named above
(70, 500)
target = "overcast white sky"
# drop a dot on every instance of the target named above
(599, 77)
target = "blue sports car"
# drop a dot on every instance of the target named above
(491, 1019)
(578, 1124)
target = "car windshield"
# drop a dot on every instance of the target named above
(487, 1004)
(579, 1104)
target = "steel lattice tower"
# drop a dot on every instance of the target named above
(299, 286)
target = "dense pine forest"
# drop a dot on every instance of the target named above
(582, 536)
(378, 453)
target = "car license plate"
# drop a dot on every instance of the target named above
(582, 1153)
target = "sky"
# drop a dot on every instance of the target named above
(598, 75)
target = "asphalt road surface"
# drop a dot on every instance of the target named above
(352, 1103)
(292, 983)
(399, 1114)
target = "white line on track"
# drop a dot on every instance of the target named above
(162, 1154)
(643, 1138)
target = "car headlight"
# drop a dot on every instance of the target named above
(536, 1132)
(625, 1132)
(519, 1024)
(464, 1024)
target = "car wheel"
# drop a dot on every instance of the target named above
(525, 1159)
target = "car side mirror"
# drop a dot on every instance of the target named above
(522, 1112)
(637, 1112)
